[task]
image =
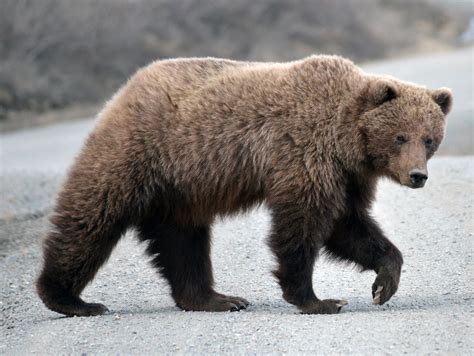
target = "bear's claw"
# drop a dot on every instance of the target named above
(377, 293)
(385, 285)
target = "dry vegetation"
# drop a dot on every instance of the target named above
(54, 53)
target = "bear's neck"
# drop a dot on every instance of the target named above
(348, 138)
(325, 118)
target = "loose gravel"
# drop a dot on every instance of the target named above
(431, 313)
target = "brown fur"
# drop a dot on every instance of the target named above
(187, 140)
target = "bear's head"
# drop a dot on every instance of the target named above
(402, 126)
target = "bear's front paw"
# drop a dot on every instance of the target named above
(326, 306)
(385, 286)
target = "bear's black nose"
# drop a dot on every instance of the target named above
(418, 178)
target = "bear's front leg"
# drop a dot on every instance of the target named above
(295, 240)
(358, 238)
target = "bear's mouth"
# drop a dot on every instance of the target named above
(417, 186)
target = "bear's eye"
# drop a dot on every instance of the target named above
(428, 141)
(401, 139)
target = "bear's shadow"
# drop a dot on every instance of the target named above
(407, 303)
(356, 305)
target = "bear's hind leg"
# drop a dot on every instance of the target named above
(182, 255)
(72, 257)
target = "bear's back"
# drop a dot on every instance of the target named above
(181, 76)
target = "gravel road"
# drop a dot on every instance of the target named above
(431, 313)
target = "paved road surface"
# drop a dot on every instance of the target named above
(432, 311)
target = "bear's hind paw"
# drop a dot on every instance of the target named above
(80, 309)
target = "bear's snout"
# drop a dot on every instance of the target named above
(418, 178)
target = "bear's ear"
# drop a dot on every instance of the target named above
(382, 91)
(443, 98)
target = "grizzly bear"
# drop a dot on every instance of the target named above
(188, 140)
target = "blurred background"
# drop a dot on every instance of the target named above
(60, 59)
